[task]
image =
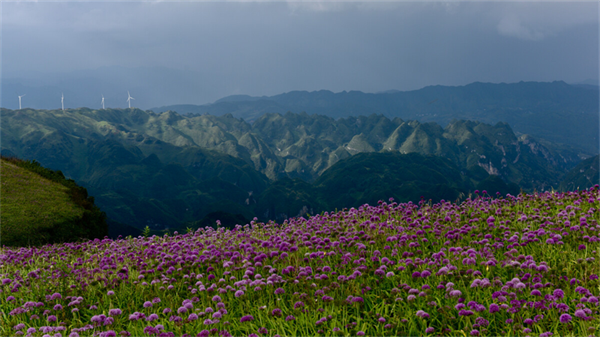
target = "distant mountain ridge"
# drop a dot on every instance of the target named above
(555, 111)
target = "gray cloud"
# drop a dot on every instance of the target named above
(265, 48)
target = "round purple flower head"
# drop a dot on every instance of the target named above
(429, 330)
(246, 318)
(422, 314)
(239, 293)
(203, 333)
(360, 333)
(565, 318)
(216, 299)
(579, 313)
(147, 304)
(558, 293)
(114, 312)
(279, 291)
(290, 318)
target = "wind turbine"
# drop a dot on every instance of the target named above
(62, 101)
(20, 101)
(129, 98)
(102, 101)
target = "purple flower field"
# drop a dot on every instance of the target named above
(525, 265)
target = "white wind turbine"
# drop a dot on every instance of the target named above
(62, 101)
(20, 101)
(102, 101)
(129, 98)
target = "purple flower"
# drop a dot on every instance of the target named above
(263, 331)
(581, 247)
(580, 313)
(422, 314)
(558, 293)
(290, 318)
(381, 320)
(58, 307)
(192, 317)
(182, 310)
(110, 293)
(152, 317)
(216, 299)
(494, 308)
(536, 292)
(360, 333)
(114, 312)
(279, 291)
(19, 326)
(51, 318)
(203, 333)
(246, 318)
(429, 330)
(239, 293)
(147, 304)
(465, 313)
(474, 332)
(565, 318)
(276, 312)
(358, 299)
(455, 293)
(150, 330)
(298, 304)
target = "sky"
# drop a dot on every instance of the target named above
(197, 52)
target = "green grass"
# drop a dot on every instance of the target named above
(31, 205)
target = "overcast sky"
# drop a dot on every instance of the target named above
(266, 48)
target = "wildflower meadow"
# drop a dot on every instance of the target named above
(512, 265)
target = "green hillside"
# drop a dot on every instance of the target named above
(40, 206)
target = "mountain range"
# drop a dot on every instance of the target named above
(552, 111)
(171, 170)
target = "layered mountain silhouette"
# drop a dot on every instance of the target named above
(556, 111)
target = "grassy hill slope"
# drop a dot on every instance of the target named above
(40, 206)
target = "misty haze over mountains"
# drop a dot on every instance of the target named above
(553, 111)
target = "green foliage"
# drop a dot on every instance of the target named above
(370, 177)
(494, 184)
(582, 176)
(41, 206)
(146, 232)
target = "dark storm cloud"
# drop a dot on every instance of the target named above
(269, 48)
